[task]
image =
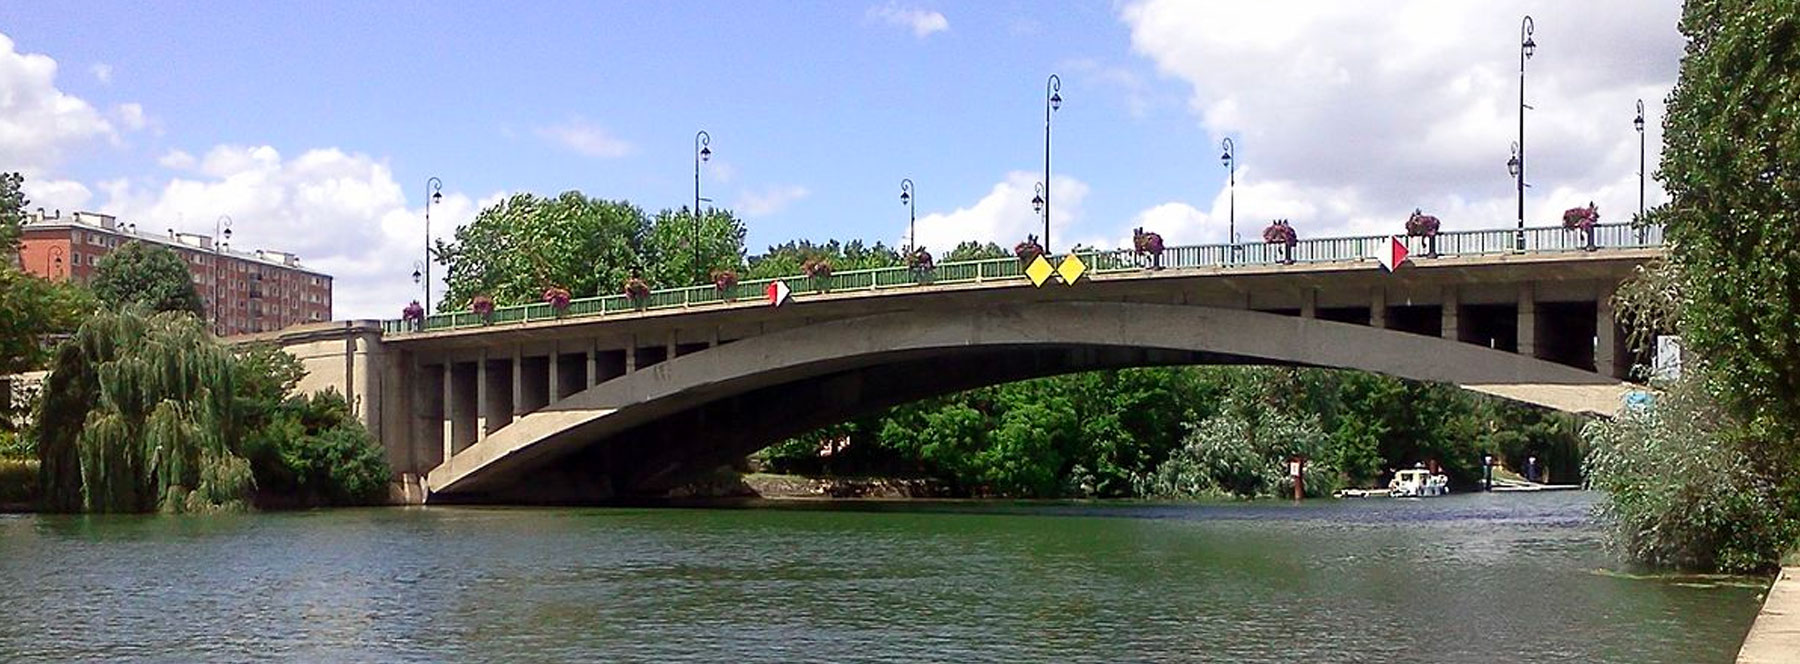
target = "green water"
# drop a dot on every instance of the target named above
(1481, 578)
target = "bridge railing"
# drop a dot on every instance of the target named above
(1321, 250)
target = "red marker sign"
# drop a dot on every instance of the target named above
(1394, 256)
(778, 292)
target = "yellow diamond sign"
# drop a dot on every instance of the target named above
(1039, 271)
(1071, 269)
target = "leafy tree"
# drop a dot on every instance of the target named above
(35, 307)
(785, 260)
(12, 216)
(669, 259)
(974, 251)
(315, 451)
(518, 247)
(147, 275)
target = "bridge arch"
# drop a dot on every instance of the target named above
(638, 431)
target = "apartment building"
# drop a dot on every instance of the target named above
(244, 292)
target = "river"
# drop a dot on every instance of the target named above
(1476, 578)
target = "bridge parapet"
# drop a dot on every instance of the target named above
(1551, 239)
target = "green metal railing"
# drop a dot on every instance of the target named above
(1004, 270)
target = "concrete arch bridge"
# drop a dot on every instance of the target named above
(616, 397)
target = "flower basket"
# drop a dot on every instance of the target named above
(1281, 233)
(920, 260)
(1425, 226)
(1584, 220)
(483, 306)
(1148, 243)
(637, 290)
(816, 268)
(1028, 250)
(724, 280)
(414, 315)
(558, 299)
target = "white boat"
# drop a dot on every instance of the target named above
(1418, 483)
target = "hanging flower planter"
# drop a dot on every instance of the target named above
(1584, 220)
(637, 290)
(1028, 250)
(1150, 244)
(1279, 232)
(1425, 226)
(558, 299)
(414, 315)
(725, 281)
(818, 269)
(483, 306)
(920, 260)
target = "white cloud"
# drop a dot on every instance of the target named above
(57, 195)
(39, 123)
(102, 72)
(770, 200)
(921, 22)
(178, 160)
(342, 213)
(586, 138)
(131, 115)
(1352, 118)
(1005, 216)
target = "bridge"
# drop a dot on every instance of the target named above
(617, 397)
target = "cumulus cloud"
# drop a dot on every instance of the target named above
(1352, 118)
(586, 138)
(178, 160)
(921, 22)
(102, 72)
(131, 116)
(770, 200)
(1005, 216)
(39, 123)
(341, 212)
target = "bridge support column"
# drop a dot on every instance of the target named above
(593, 368)
(450, 410)
(518, 382)
(1309, 302)
(481, 398)
(555, 372)
(1378, 308)
(1528, 319)
(669, 347)
(631, 356)
(1452, 314)
(1607, 338)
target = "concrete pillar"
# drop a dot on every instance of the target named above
(450, 409)
(1309, 302)
(518, 381)
(1606, 348)
(1452, 319)
(481, 398)
(713, 342)
(555, 372)
(669, 346)
(1528, 319)
(593, 374)
(1378, 308)
(631, 355)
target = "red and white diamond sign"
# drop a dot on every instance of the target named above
(778, 292)
(1394, 256)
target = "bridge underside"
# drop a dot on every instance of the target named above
(655, 429)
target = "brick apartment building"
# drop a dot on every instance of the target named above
(260, 291)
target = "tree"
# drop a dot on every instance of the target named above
(147, 275)
(518, 247)
(785, 260)
(35, 307)
(12, 215)
(669, 259)
(974, 251)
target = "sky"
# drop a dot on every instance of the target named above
(315, 126)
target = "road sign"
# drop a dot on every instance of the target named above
(1071, 269)
(1039, 271)
(1394, 256)
(778, 292)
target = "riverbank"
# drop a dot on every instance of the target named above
(1775, 636)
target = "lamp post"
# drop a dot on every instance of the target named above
(1639, 124)
(221, 242)
(417, 276)
(1052, 102)
(912, 216)
(433, 194)
(701, 153)
(1229, 160)
(56, 262)
(1526, 48)
(1038, 205)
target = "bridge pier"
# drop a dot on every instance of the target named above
(1528, 320)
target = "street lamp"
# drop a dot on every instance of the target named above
(433, 194)
(417, 266)
(1229, 160)
(1037, 201)
(1052, 102)
(1639, 124)
(1526, 48)
(221, 242)
(912, 216)
(701, 153)
(56, 262)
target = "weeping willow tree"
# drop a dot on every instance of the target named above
(137, 416)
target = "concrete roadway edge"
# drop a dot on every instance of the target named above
(1775, 636)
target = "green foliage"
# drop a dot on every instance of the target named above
(12, 216)
(132, 418)
(784, 260)
(975, 251)
(35, 307)
(146, 275)
(526, 243)
(1731, 164)
(315, 451)
(1680, 492)
(1237, 456)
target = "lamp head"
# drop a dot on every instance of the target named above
(1056, 101)
(1530, 47)
(1037, 204)
(705, 154)
(1512, 166)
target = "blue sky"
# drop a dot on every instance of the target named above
(316, 125)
